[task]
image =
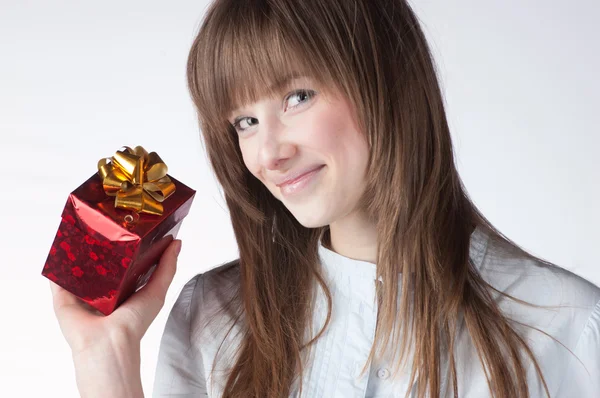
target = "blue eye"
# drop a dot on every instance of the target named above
(303, 96)
(301, 93)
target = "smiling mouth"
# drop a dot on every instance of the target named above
(300, 183)
(299, 177)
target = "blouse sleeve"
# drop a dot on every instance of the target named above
(577, 382)
(179, 370)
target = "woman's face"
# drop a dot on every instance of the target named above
(299, 130)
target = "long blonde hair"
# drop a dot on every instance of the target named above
(375, 53)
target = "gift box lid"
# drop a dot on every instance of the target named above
(90, 209)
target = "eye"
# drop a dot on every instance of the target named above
(297, 98)
(238, 121)
(303, 95)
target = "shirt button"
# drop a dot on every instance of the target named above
(383, 373)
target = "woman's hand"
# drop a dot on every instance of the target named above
(106, 349)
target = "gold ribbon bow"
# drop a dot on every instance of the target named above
(137, 179)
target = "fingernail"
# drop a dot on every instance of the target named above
(177, 247)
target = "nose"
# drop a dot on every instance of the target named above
(275, 146)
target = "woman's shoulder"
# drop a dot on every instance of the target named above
(223, 275)
(212, 300)
(569, 311)
(574, 301)
(212, 289)
(195, 326)
(226, 273)
(509, 269)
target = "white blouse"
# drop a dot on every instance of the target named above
(185, 360)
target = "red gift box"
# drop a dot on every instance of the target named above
(106, 248)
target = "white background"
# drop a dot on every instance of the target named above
(80, 79)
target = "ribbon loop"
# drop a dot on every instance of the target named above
(137, 179)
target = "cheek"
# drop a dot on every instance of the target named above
(340, 139)
(250, 160)
(329, 133)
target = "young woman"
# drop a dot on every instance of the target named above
(371, 273)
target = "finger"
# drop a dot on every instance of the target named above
(161, 278)
(144, 305)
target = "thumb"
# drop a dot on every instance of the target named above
(145, 304)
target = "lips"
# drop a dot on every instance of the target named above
(297, 177)
(301, 184)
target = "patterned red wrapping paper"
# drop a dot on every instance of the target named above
(100, 257)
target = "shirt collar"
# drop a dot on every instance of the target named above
(353, 269)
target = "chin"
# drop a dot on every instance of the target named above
(311, 222)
